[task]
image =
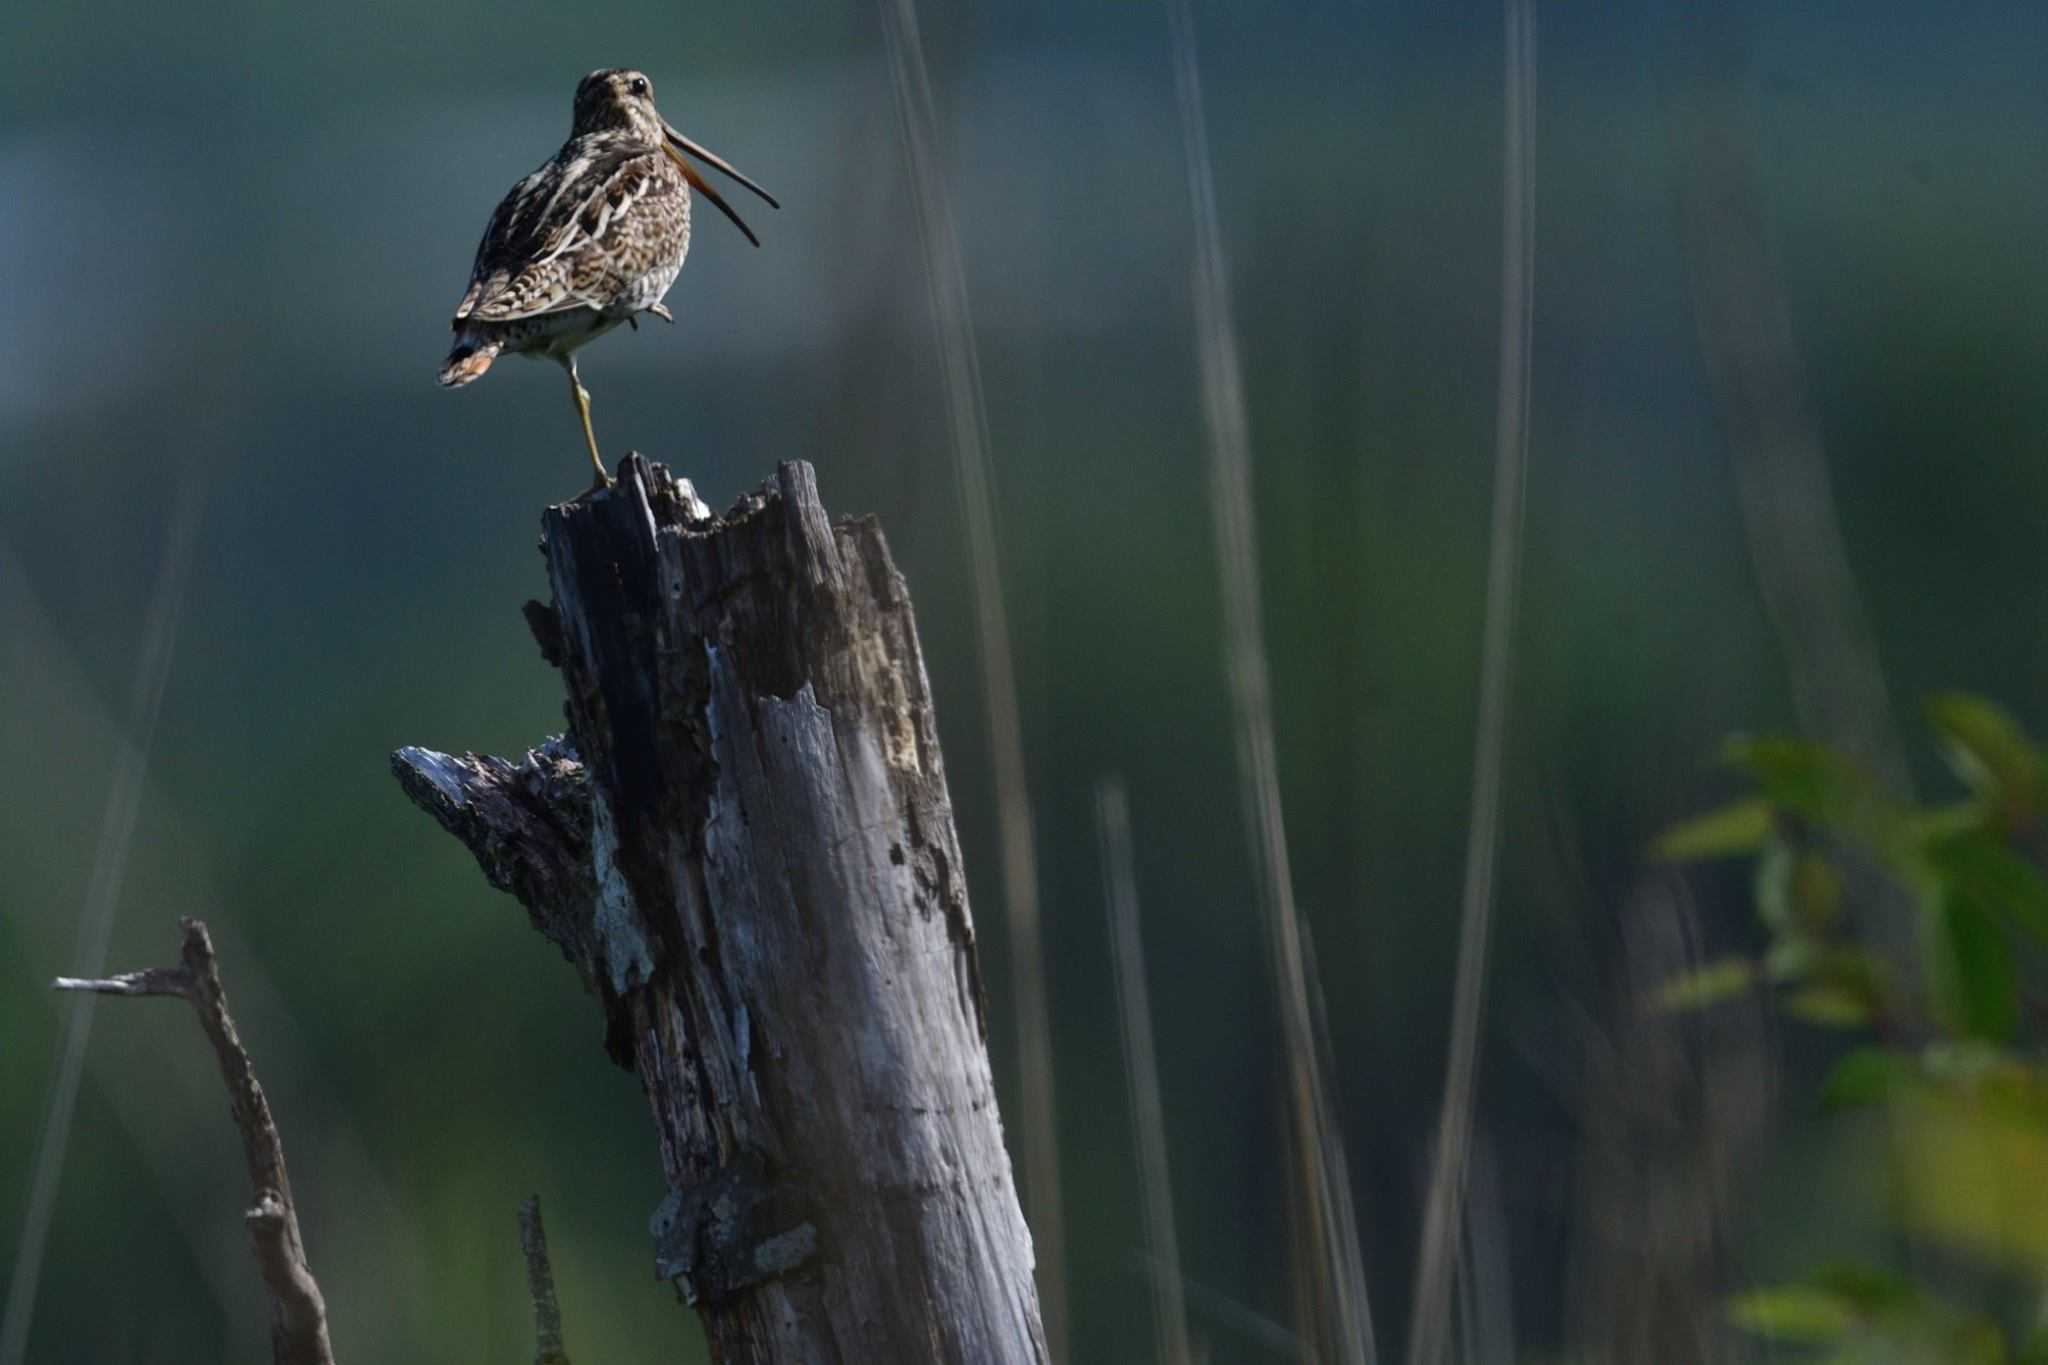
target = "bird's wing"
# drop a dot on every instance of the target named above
(526, 263)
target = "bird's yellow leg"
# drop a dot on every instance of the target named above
(581, 397)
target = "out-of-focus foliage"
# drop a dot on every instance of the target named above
(1953, 1056)
(1859, 1314)
(241, 229)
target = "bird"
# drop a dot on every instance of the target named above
(591, 239)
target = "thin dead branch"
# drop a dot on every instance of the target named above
(540, 1286)
(298, 1314)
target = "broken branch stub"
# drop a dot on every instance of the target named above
(746, 845)
(540, 1287)
(298, 1313)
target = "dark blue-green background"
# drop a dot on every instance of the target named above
(231, 239)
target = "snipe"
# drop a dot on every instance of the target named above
(590, 240)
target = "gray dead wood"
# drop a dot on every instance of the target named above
(745, 845)
(540, 1287)
(298, 1314)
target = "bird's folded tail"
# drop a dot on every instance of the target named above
(468, 359)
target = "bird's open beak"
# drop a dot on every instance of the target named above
(678, 144)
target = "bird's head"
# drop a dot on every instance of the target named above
(616, 100)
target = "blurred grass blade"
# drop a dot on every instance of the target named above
(946, 278)
(1331, 1263)
(1757, 378)
(1445, 1193)
(1141, 1070)
(1486, 1282)
(102, 897)
(1220, 1310)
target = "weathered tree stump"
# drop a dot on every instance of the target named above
(745, 845)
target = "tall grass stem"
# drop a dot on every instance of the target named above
(1338, 1318)
(1435, 1259)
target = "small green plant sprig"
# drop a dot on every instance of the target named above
(1951, 1050)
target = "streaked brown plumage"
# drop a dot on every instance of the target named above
(590, 240)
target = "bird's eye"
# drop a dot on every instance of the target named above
(639, 85)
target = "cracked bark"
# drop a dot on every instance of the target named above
(745, 845)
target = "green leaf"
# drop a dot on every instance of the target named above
(1985, 746)
(1976, 1340)
(1866, 1288)
(1794, 1312)
(1845, 988)
(1982, 867)
(1929, 825)
(1741, 827)
(1828, 1005)
(1970, 971)
(1826, 789)
(1789, 959)
(1965, 1063)
(1816, 892)
(1773, 889)
(1969, 1166)
(1863, 1076)
(1714, 982)
(1801, 774)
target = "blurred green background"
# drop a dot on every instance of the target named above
(235, 234)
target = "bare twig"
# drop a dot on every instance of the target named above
(298, 1315)
(1429, 1320)
(1339, 1318)
(967, 417)
(1141, 1069)
(540, 1285)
